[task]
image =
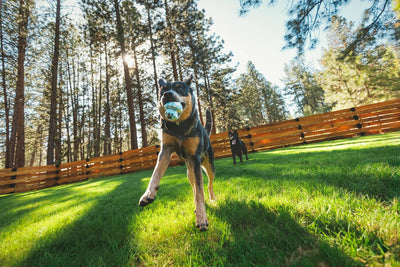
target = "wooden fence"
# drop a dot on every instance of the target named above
(364, 120)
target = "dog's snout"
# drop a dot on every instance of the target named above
(168, 96)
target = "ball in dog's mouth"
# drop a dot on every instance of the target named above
(173, 110)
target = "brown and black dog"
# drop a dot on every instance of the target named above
(190, 141)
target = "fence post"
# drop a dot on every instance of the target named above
(121, 166)
(57, 174)
(300, 128)
(249, 136)
(13, 177)
(357, 118)
(87, 167)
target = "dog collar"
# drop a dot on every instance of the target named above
(178, 129)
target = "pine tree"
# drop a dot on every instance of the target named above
(128, 83)
(368, 74)
(51, 145)
(17, 140)
(135, 38)
(302, 85)
(260, 101)
(6, 105)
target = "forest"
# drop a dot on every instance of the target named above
(79, 78)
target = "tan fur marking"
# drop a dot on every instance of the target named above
(169, 139)
(210, 174)
(188, 108)
(190, 144)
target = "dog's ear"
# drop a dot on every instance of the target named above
(162, 83)
(188, 81)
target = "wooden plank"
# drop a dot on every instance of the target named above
(73, 164)
(28, 171)
(22, 179)
(151, 157)
(269, 137)
(7, 191)
(378, 106)
(141, 152)
(387, 112)
(394, 125)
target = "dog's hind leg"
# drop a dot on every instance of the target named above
(192, 179)
(244, 148)
(162, 164)
(240, 155)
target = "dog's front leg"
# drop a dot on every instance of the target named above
(196, 180)
(162, 164)
(233, 156)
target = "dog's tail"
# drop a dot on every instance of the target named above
(208, 121)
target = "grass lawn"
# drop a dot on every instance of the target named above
(327, 204)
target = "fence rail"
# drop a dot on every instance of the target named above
(364, 120)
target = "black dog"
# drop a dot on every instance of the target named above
(190, 141)
(237, 146)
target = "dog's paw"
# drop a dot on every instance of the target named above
(203, 226)
(201, 222)
(144, 201)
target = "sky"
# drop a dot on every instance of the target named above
(258, 36)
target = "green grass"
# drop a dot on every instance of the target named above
(327, 204)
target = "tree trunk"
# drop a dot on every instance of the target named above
(74, 107)
(128, 83)
(67, 108)
(17, 151)
(153, 54)
(6, 105)
(210, 100)
(170, 42)
(99, 101)
(141, 111)
(35, 146)
(53, 97)
(198, 94)
(180, 72)
(57, 141)
(107, 126)
(93, 146)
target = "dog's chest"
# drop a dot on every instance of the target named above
(185, 147)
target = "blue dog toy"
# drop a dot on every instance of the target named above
(173, 110)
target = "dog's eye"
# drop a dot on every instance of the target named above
(180, 89)
(163, 90)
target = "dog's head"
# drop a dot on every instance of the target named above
(233, 137)
(176, 92)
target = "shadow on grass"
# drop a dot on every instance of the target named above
(369, 171)
(105, 233)
(101, 236)
(262, 237)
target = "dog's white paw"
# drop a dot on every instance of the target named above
(146, 199)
